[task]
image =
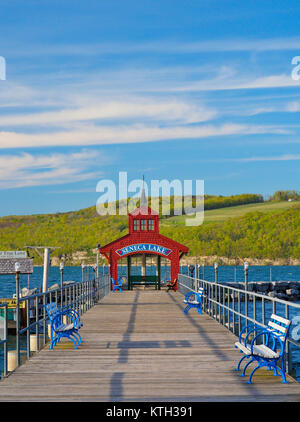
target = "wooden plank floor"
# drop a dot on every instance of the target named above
(139, 346)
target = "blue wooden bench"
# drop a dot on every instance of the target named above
(117, 284)
(60, 329)
(196, 302)
(271, 347)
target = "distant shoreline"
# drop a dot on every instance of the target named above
(200, 260)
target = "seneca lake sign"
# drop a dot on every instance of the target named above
(144, 247)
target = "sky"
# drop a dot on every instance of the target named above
(189, 90)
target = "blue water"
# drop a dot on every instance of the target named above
(225, 274)
(255, 273)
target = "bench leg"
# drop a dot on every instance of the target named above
(269, 365)
(186, 311)
(246, 366)
(238, 368)
(74, 342)
(251, 375)
(76, 333)
(199, 309)
(284, 381)
(54, 340)
(282, 373)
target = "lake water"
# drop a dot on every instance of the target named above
(225, 274)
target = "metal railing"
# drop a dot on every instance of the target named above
(81, 296)
(236, 308)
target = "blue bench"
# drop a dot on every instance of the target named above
(117, 285)
(194, 303)
(60, 329)
(271, 347)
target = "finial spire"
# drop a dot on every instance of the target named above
(144, 202)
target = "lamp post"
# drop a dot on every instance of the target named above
(246, 266)
(17, 272)
(216, 266)
(97, 262)
(95, 268)
(82, 271)
(61, 269)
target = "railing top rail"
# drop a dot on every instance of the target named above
(58, 289)
(261, 296)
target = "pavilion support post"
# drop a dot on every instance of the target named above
(143, 265)
(158, 271)
(129, 272)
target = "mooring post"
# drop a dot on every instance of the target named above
(246, 266)
(61, 268)
(196, 287)
(216, 266)
(97, 260)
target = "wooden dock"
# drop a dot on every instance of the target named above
(139, 346)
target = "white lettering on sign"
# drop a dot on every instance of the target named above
(13, 254)
(140, 247)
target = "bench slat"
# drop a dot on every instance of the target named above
(259, 350)
(280, 319)
(277, 327)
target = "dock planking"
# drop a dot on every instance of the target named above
(140, 346)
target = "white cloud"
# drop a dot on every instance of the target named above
(284, 157)
(131, 109)
(162, 46)
(220, 83)
(101, 135)
(293, 107)
(24, 170)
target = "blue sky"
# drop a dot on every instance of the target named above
(168, 89)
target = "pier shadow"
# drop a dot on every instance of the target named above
(205, 336)
(251, 388)
(123, 356)
(126, 344)
(116, 387)
(116, 382)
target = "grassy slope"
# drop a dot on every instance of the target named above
(272, 234)
(222, 214)
(83, 230)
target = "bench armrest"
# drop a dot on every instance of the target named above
(197, 295)
(72, 314)
(269, 335)
(250, 328)
(189, 294)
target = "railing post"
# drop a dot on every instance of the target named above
(5, 371)
(44, 319)
(288, 363)
(17, 271)
(28, 331)
(37, 322)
